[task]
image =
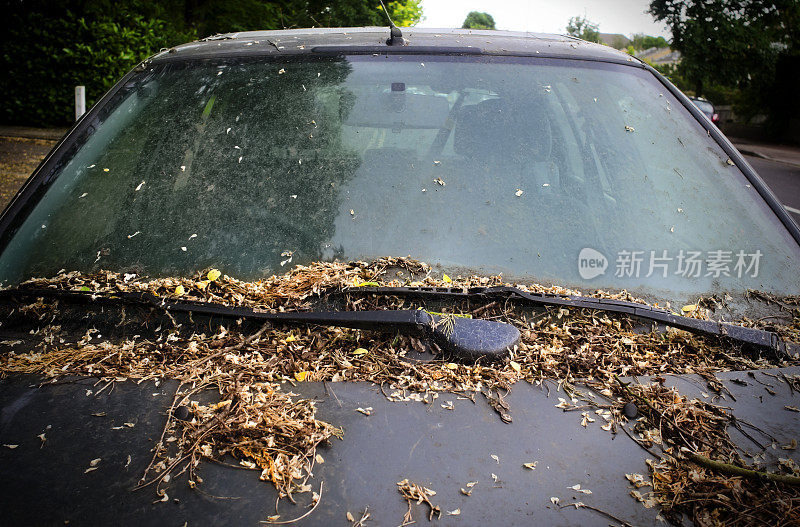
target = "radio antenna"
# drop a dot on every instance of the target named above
(395, 35)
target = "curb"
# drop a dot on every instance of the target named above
(33, 133)
(753, 153)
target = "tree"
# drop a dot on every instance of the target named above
(349, 13)
(209, 17)
(737, 43)
(405, 14)
(582, 28)
(477, 20)
(49, 46)
(641, 41)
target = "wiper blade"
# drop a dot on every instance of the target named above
(459, 338)
(752, 336)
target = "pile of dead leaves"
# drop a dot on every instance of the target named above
(266, 428)
(700, 471)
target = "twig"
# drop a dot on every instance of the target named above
(638, 442)
(739, 427)
(330, 390)
(235, 347)
(636, 395)
(109, 383)
(733, 470)
(163, 434)
(649, 405)
(581, 505)
(301, 517)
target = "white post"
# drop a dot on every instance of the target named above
(80, 101)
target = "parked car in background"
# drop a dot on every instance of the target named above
(706, 107)
(259, 257)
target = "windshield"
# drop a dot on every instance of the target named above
(572, 173)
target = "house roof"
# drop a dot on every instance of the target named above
(611, 39)
(659, 55)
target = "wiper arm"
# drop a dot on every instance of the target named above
(743, 335)
(459, 338)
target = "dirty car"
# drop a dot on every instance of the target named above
(473, 277)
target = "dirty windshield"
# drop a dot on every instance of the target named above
(570, 173)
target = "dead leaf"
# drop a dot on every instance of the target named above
(637, 480)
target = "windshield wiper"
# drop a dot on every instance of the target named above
(751, 336)
(458, 337)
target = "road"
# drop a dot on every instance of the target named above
(19, 156)
(783, 179)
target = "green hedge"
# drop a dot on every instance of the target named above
(51, 46)
(49, 56)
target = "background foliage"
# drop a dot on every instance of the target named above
(478, 20)
(51, 46)
(745, 52)
(582, 28)
(641, 41)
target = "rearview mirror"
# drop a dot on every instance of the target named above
(398, 110)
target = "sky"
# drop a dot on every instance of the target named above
(547, 16)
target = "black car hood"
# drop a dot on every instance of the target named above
(45, 481)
